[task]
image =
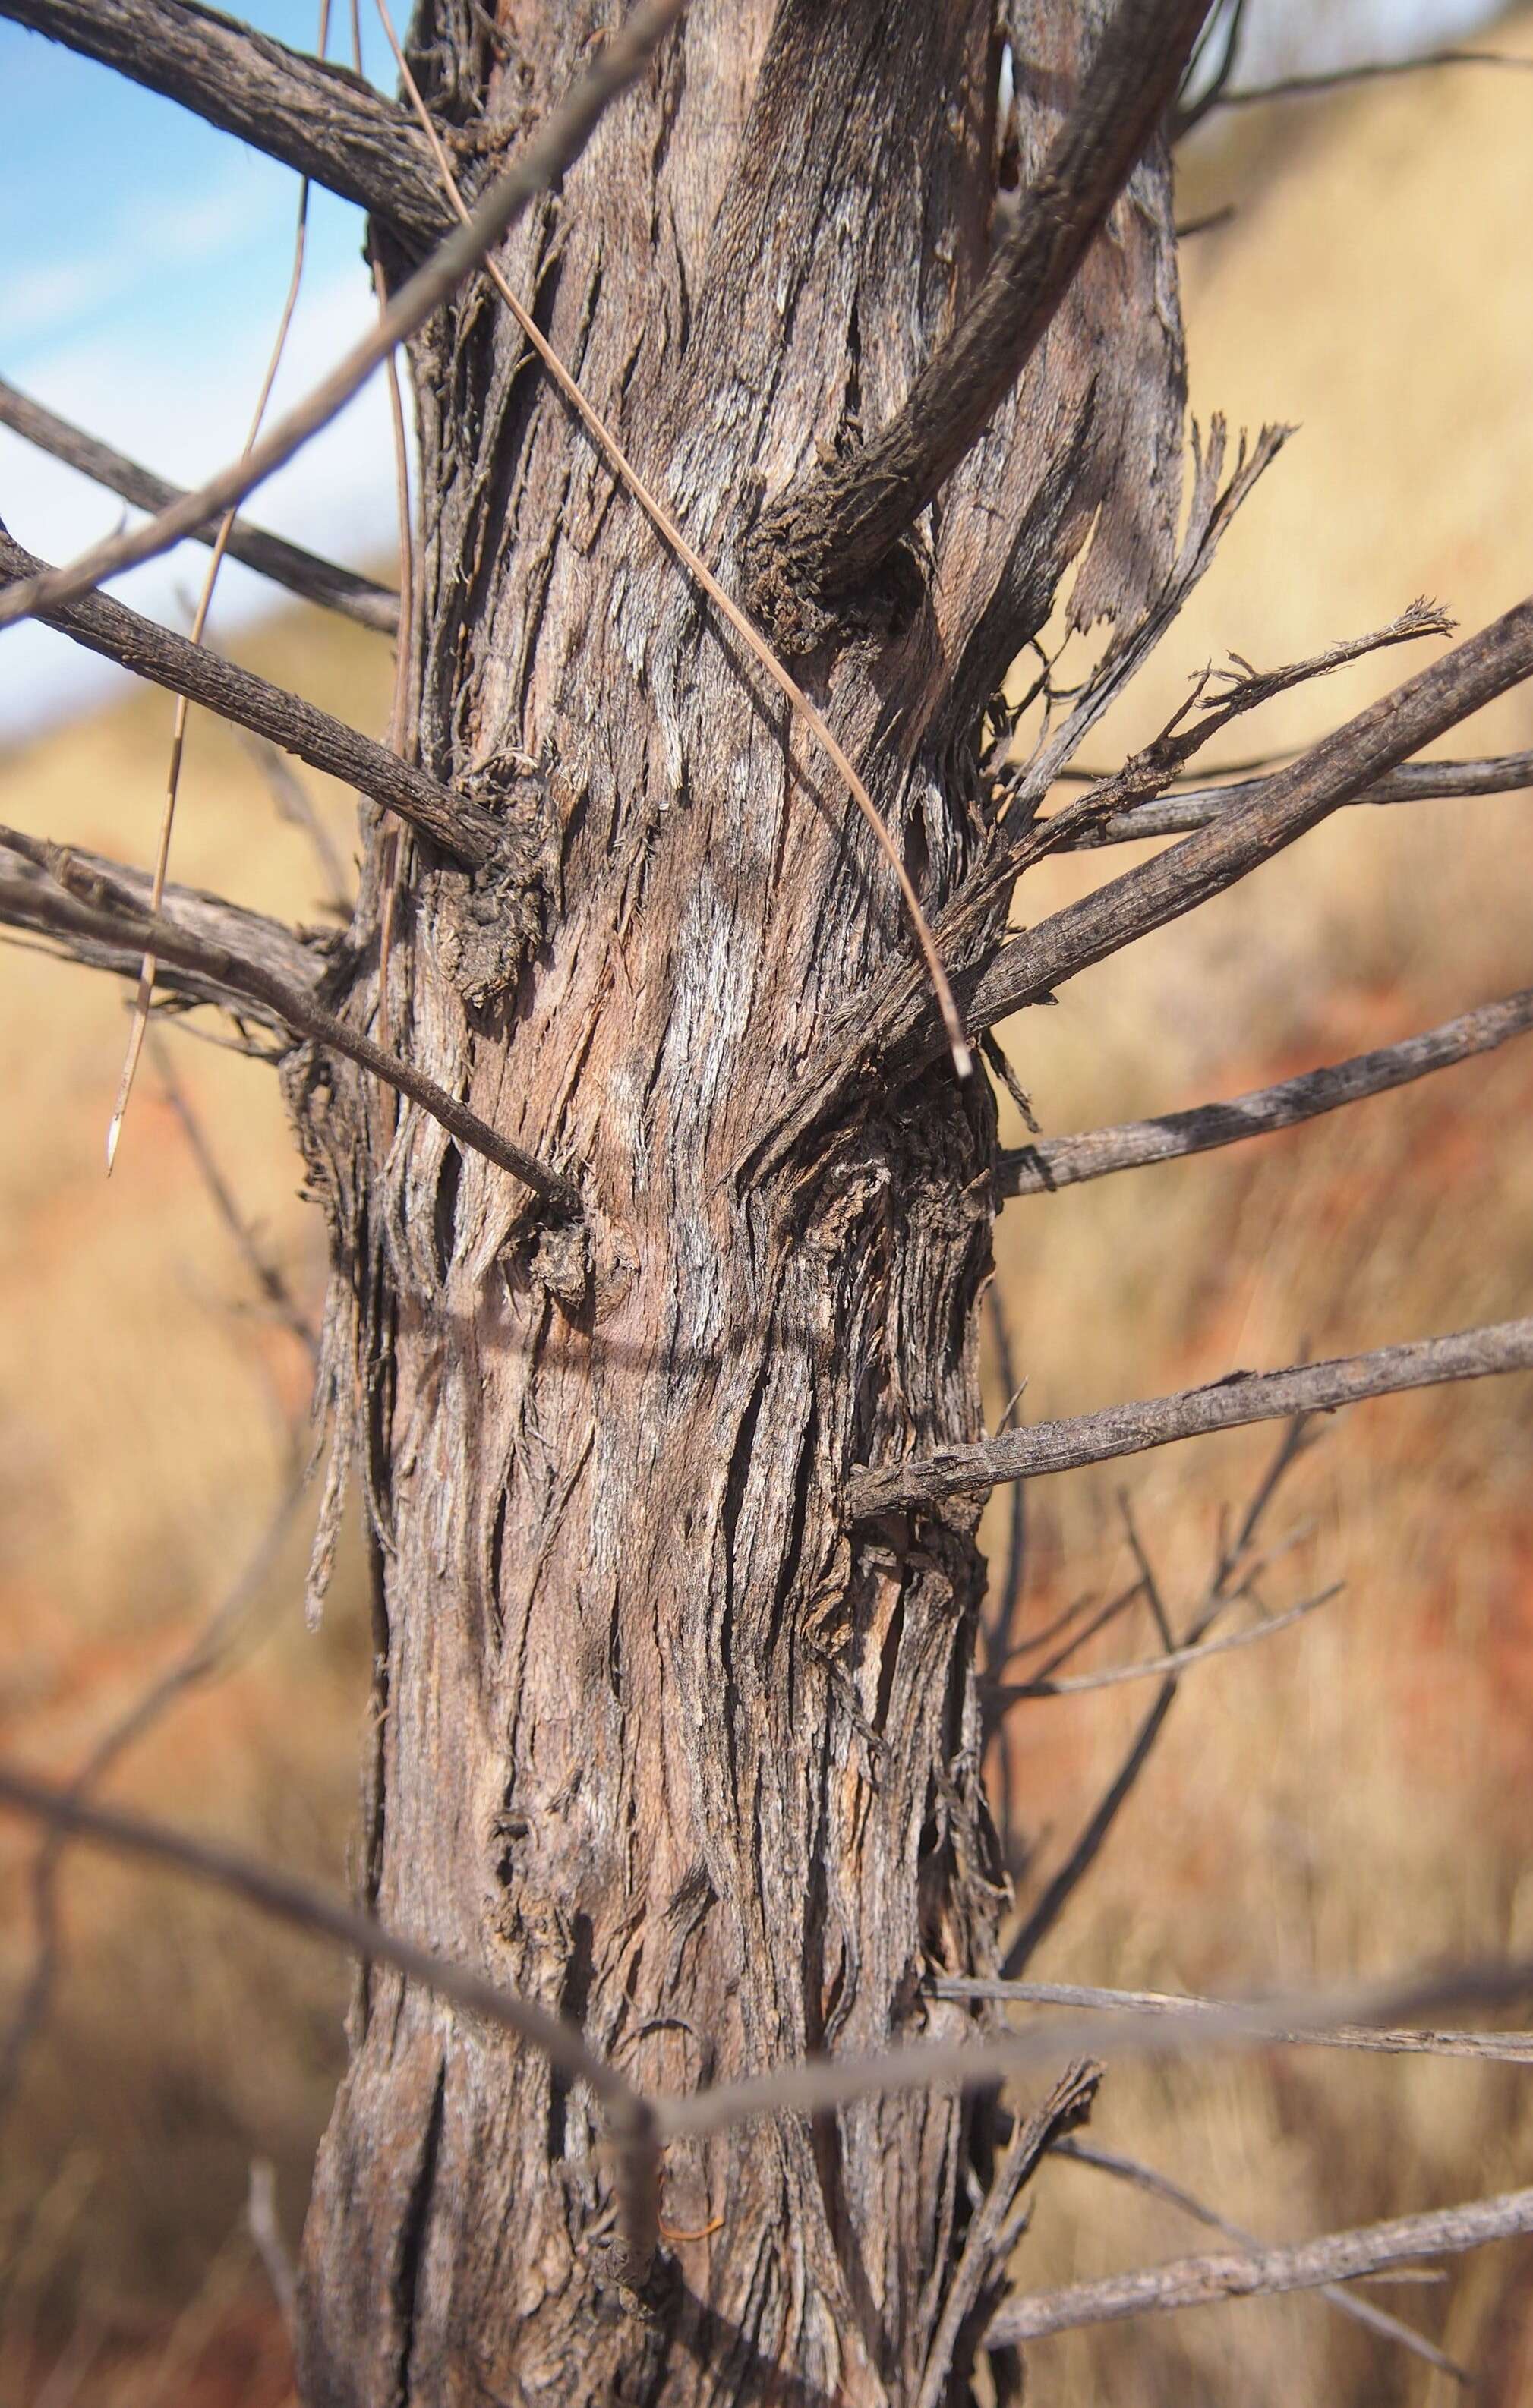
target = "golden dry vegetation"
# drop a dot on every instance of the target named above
(1347, 1798)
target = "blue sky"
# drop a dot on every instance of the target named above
(146, 257)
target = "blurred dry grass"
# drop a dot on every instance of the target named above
(1350, 1797)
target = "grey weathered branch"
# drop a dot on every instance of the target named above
(322, 119)
(1159, 2186)
(630, 2116)
(1175, 1661)
(1051, 1163)
(86, 906)
(463, 828)
(1235, 2274)
(825, 536)
(642, 2123)
(1194, 1412)
(553, 148)
(1277, 810)
(1381, 2039)
(29, 899)
(271, 555)
(1419, 781)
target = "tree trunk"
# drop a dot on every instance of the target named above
(660, 1740)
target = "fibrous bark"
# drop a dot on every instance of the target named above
(660, 1740)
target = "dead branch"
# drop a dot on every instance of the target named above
(1312, 87)
(463, 828)
(1176, 1659)
(827, 535)
(1482, 2048)
(1159, 2186)
(1052, 1163)
(271, 2247)
(642, 2123)
(28, 896)
(329, 124)
(270, 556)
(84, 904)
(1196, 2282)
(1278, 809)
(630, 2115)
(551, 150)
(1225, 1404)
(1419, 781)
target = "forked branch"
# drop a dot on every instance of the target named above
(1276, 811)
(827, 535)
(1194, 1412)
(463, 828)
(330, 125)
(1068, 1161)
(270, 556)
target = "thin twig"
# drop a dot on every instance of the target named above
(1159, 2186)
(463, 829)
(296, 805)
(551, 151)
(1308, 87)
(1194, 1413)
(1310, 2265)
(692, 560)
(268, 1274)
(1052, 1163)
(1176, 1659)
(270, 556)
(1200, 807)
(270, 2245)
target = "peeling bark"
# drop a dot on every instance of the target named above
(660, 1739)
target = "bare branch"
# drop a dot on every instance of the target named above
(828, 535)
(1225, 1404)
(314, 116)
(1310, 2265)
(86, 904)
(1310, 87)
(270, 2246)
(1484, 2048)
(463, 829)
(1052, 1163)
(29, 896)
(271, 555)
(1176, 1659)
(630, 2116)
(1159, 2186)
(551, 150)
(641, 2125)
(1419, 781)
(1277, 810)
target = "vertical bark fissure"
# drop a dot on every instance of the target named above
(661, 1741)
